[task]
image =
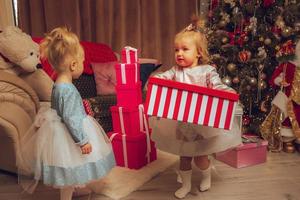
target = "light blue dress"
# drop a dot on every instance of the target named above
(50, 150)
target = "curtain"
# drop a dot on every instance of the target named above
(6, 14)
(149, 25)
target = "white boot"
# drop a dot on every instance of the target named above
(186, 177)
(206, 179)
(179, 180)
(66, 193)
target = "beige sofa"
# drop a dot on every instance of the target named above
(19, 103)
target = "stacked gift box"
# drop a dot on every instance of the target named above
(131, 135)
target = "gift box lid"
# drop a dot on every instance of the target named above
(251, 141)
(194, 88)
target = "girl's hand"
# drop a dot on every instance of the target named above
(86, 148)
(284, 83)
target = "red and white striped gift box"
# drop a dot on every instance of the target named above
(129, 55)
(190, 103)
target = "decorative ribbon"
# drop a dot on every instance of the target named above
(141, 108)
(123, 73)
(127, 50)
(136, 72)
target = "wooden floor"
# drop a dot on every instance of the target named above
(277, 179)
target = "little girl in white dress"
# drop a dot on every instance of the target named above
(191, 141)
(65, 148)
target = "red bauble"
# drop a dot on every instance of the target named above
(246, 120)
(244, 56)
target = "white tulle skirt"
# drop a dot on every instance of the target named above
(186, 139)
(48, 153)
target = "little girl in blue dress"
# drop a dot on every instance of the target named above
(65, 148)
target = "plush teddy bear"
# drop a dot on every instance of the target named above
(18, 48)
(19, 55)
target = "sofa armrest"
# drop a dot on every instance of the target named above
(14, 123)
(15, 90)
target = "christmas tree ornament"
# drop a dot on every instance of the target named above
(286, 31)
(253, 81)
(246, 38)
(261, 39)
(236, 80)
(225, 40)
(260, 67)
(268, 41)
(244, 56)
(231, 67)
(263, 76)
(246, 120)
(222, 24)
(227, 80)
(263, 85)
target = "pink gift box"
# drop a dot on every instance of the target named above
(131, 119)
(128, 74)
(247, 154)
(136, 150)
(129, 96)
(190, 103)
(129, 55)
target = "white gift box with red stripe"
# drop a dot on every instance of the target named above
(190, 103)
(129, 55)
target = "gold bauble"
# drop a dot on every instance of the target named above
(227, 80)
(253, 81)
(261, 67)
(261, 39)
(267, 41)
(222, 24)
(224, 40)
(263, 85)
(231, 67)
(287, 31)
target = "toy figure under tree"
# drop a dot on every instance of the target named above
(246, 40)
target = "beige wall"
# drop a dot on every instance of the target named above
(6, 14)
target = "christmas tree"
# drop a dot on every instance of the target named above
(247, 40)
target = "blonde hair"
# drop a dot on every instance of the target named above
(59, 46)
(196, 31)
